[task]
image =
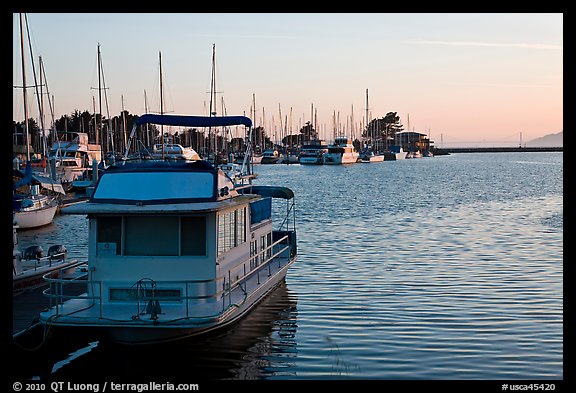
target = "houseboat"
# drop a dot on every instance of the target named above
(176, 248)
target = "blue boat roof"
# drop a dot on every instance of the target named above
(158, 182)
(193, 121)
(155, 165)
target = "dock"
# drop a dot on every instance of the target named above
(26, 306)
(34, 350)
(29, 302)
(71, 200)
(520, 149)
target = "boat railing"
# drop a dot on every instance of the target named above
(259, 263)
(290, 207)
(62, 288)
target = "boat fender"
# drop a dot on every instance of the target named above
(57, 252)
(33, 252)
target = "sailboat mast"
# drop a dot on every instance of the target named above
(311, 120)
(281, 129)
(146, 111)
(24, 90)
(161, 105)
(38, 95)
(94, 108)
(50, 106)
(212, 136)
(352, 127)
(254, 118)
(368, 121)
(124, 131)
(99, 97)
(291, 140)
(213, 83)
(44, 147)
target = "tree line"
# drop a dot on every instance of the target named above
(113, 134)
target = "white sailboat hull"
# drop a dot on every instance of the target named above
(36, 218)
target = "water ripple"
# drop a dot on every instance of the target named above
(442, 268)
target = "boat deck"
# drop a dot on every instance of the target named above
(80, 309)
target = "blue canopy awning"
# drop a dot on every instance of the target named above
(193, 121)
(30, 177)
(273, 191)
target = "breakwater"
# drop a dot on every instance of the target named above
(518, 149)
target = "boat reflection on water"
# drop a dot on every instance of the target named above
(259, 346)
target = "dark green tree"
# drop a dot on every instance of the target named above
(19, 134)
(381, 132)
(308, 133)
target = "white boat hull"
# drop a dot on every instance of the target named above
(36, 218)
(401, 155)
(110, 322)
(338, 159)
(288, 160)
(153, 335)
(375, 158)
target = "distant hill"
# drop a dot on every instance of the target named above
(550, 140)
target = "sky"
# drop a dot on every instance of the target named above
(464, 79)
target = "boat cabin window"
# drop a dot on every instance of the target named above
(109, 235)
(193, 235)
(260, 210)
(156, 186)
(151, 235)
(231, 229)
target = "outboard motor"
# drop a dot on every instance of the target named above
(57, 252)
(33, 252)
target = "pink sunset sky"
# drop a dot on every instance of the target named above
(464, 79)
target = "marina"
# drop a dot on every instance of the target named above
(170, 235)
(450, 284)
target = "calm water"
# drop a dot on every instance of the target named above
(444, 268)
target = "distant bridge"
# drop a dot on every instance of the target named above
(449, 150)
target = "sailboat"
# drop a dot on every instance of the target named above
(368, 154)
(30, 207)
